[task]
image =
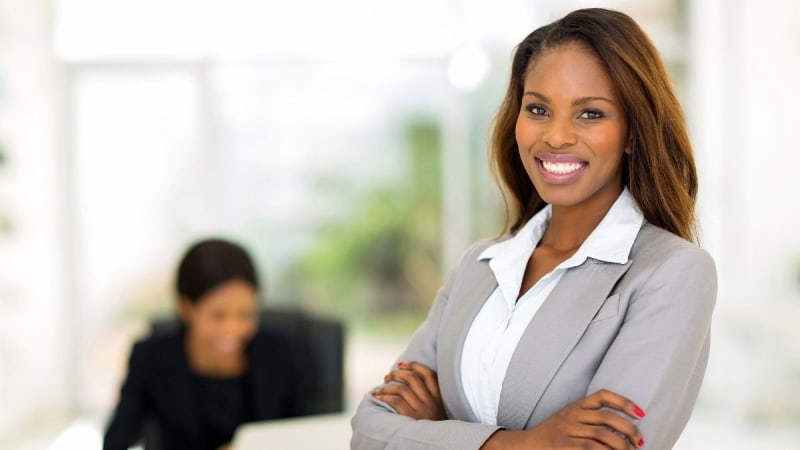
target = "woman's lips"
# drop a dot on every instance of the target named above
(560, 169)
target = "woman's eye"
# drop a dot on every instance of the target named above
(591, 114)
(536, 110)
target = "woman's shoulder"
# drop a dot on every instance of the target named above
(671, 272)
(656, 246)
(160, 339)
(158, 349)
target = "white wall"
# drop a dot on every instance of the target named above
(745, 63)
(34, 339)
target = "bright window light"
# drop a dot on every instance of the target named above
(467, 68)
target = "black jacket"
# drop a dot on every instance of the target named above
(157, 402)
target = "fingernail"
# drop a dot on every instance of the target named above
(638, 411)
(641, 442)
(375, 393)
(400, 363)
(386, 378)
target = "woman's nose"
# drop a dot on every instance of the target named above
(559, 133)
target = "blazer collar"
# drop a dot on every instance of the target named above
(551, 335)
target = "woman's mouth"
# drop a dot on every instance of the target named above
(560, 169)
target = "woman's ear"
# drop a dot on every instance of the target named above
(185, 310)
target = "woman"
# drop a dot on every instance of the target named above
(587, 324)
(193, 386)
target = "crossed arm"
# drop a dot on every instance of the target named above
(660, 366)
(412, 389)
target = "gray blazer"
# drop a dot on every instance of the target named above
(640, 329)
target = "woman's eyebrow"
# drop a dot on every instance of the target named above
(538, 95)
(584, 100)
(576, 102)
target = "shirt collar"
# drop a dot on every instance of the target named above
(611, 240)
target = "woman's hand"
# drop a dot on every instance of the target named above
(583, 424)
(413, 391)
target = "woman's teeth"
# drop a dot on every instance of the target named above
(561, 168)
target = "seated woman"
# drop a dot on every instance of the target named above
(192, 387)
(587, 324)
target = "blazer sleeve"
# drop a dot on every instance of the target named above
(125, 426)
(377, 426)
(659, 356)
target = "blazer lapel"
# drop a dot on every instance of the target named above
(552, 333)
(466, 299)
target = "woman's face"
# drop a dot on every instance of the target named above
(225, 319)
(571, 130)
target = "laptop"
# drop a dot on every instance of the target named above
(323, 432)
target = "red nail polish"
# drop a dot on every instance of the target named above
(375, 393)
(641, 442)
(638, 411)
(400, 363)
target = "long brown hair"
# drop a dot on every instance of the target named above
(659, 172)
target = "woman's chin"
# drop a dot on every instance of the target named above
(228, 348)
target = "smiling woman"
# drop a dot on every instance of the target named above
(571, 129)
(218, 306)
(586, 325)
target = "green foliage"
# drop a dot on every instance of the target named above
(385, 258)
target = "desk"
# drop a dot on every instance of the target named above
(323, 432)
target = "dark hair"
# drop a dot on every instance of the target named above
(660, 170)
(210, 263)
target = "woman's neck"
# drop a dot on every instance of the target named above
(570, 225)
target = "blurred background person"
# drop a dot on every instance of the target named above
(192, 386)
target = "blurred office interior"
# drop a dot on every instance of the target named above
(345, 144)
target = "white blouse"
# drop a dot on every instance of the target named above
(499, 325)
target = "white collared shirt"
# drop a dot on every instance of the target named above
(499, 325)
